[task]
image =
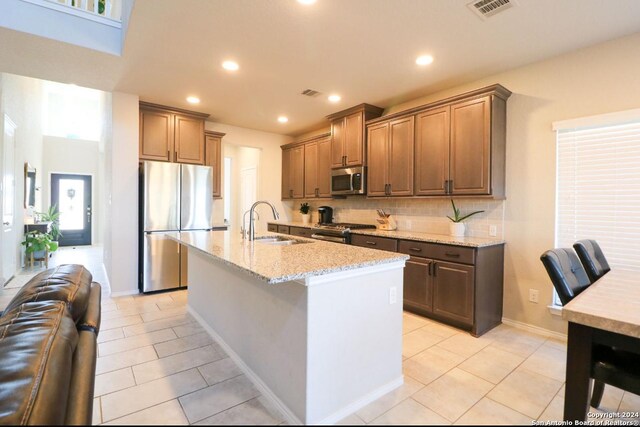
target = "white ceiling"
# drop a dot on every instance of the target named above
(364, 50)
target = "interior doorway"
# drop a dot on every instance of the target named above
(9, 245)
(72, 195)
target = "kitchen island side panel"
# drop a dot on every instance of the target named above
(265, 325)
(355, 346)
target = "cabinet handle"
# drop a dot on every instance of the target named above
(450, 186)
(168, 155)
(416, 249)
(389, 189)
(429, 264)
(452, 254)
(290, 194)
(176, 155)
(317, 192)
(446, 186)
(435, 269)
(370, 243)
(386, 189)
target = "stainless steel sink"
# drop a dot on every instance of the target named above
(279, 240)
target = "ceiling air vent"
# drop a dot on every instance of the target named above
(310, 92)
(487, 8)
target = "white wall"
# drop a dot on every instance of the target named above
(21, 101)
(595, 80)
(121, 222)
(269, 168)
(74, 156)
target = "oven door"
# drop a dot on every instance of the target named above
(329, 238)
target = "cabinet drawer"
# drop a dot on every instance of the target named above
(272, 227)
(437, 251)
(284, 229)
(300, 231)
(373, 242)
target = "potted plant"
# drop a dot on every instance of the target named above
(304, 210)
(38, 245)
(52, 215)
(457, 227)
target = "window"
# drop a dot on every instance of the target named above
(598, 186)
(72, 112)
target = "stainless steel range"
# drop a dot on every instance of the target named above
(339, 232)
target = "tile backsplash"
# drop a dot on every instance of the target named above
(426, 215)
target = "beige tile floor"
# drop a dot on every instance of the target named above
(156, 365)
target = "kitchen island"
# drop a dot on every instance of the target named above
(317, 326)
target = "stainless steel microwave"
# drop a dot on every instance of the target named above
(348, 181)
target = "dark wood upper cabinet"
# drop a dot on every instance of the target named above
(337, 143)
(189, 140)
(432, 152)
(353, 139)
(287, 190)
(390, 154)
(156, 135)
(293, 173)
(459, 145)
(310, 169)
(470, 149)
(171, 134)
(348, 135)
(306, 168)
(377, 150)
(324, 166)
(213, 158)
(401, 157)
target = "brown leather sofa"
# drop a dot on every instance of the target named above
(48, 349)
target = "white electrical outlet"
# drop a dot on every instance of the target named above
(493, 231)
(408, 224)
(533, 295)
(393, 295)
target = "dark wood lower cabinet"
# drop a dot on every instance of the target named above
(457, 285)
(418, 286)
(464, 294)
(453, 291)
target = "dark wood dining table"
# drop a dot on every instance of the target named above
(606, 313)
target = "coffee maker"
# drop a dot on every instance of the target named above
(325, 215)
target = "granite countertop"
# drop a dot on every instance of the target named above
(472, 242)
(280, 263)
(612, 304)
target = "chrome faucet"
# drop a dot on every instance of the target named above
(243, 229)
(252, 228)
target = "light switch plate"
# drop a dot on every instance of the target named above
(534, 295)
(493, 231)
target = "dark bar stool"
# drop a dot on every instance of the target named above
(592, 258)
(610, 365)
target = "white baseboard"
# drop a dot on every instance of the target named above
(122, 293)
(535, 329)
(260, 385)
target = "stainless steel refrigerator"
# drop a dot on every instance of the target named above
(173, 197)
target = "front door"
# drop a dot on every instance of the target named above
(72, 195)
(9, 246)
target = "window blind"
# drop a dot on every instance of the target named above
(598, 190)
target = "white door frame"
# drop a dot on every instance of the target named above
(8, 187)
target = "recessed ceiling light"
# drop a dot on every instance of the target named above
(424, 60)
(230, 65)
(334, 98)
(283, 119)
(193, 100)
(306, 1)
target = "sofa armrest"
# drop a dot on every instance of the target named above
(91, 319)
(81, 388)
